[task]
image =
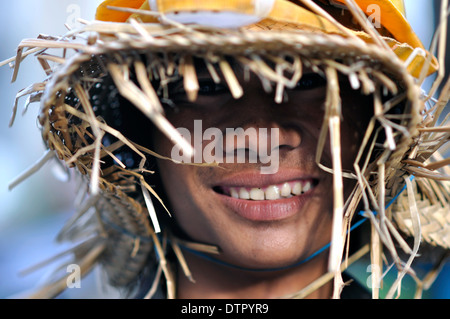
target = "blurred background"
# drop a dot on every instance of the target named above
(32, 213)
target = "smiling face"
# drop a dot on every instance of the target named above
(258, 220)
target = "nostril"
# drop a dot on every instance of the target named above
(287, 138)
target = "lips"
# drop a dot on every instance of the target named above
(266, 197)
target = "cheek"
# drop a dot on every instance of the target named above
(176, 182)
(184, 192)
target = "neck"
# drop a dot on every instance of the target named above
(213, 281)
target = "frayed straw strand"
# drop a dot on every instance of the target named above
(170, 279)
(32, 170)
(150, 208)
(417, 238)
(86, 263)
(130, 91)
(182, 261)
(154, 288)
(37, 87)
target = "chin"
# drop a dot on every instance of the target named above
(266, 252)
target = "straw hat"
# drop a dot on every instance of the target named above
(133, 44)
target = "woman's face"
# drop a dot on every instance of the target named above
(257, 220)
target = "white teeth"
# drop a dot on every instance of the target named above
(272, 192)
(286, 190)
(297, 189)
(307, 187)
(234, 193)
(243, 194)
(257, 194)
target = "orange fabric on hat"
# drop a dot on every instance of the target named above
(105, 14)
(392, 17)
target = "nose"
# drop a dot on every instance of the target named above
(261, 124)
(273, 123)
(270, 135)
(289, 137)
(261, 138)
